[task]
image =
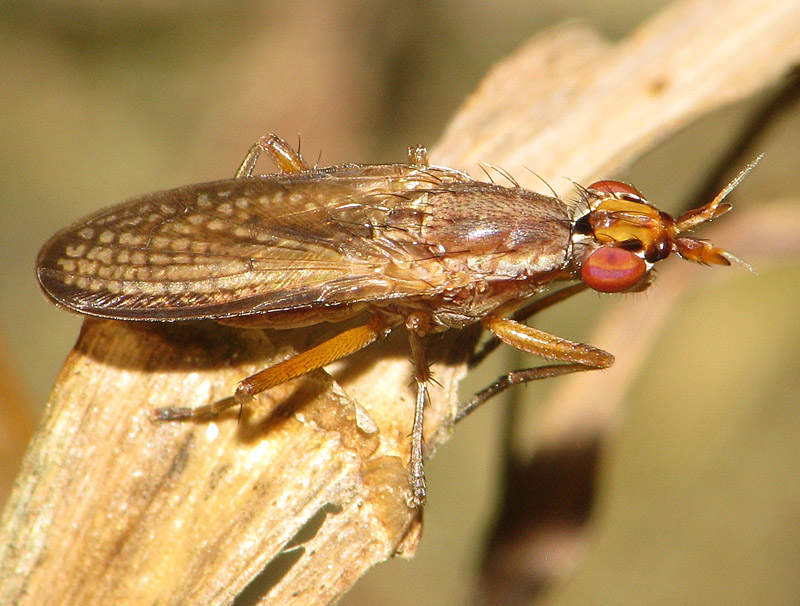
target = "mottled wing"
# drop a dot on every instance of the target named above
(245, 246)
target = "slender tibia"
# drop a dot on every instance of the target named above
(335, 348)
(578, 357)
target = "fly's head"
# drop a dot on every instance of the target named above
(622, 236)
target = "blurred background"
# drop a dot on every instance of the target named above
(699, 490)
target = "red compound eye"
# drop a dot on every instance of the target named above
(610, 269)
(616, 189)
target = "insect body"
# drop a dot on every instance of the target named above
(408, 244)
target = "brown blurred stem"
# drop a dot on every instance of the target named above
(745, 147)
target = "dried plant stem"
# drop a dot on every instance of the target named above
(111, 507)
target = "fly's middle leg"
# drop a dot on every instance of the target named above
(422, 375)
(418, 155)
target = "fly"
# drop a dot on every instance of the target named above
(421, 246)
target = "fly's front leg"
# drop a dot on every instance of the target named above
(285, 157)
(578, 357)
(335, 348)
(523, 313)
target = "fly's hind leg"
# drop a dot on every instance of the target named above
(285, 157)
(577, 357)
(335, 348)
